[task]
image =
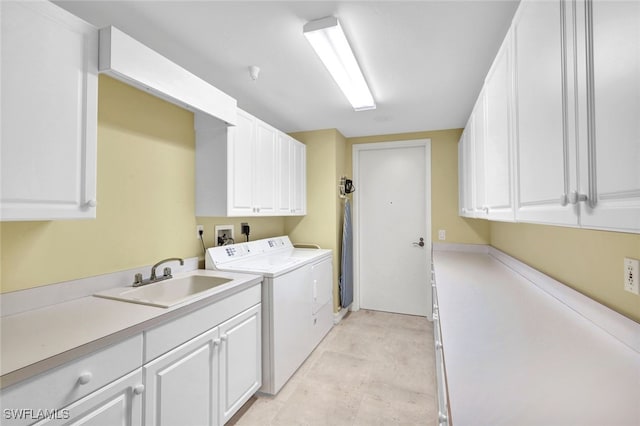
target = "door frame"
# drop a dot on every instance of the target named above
(357, 148)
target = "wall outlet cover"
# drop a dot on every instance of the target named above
(198, 229)
(442, 234)
(632, 275)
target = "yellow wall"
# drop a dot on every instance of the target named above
(444, 185)
(322, 224)
(586, 260)
(146, 160)
(146, 163)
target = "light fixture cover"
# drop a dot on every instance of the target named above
(331, 45)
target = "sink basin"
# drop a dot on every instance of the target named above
(166, 293)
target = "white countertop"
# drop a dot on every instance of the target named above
(40, 339)
(515, 355)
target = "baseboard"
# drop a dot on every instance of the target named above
(337, 316)
(471, 248)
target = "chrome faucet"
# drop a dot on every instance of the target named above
(166, 273)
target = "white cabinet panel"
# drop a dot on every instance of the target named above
(497, 145)
(542, 149)
(292, 174)
(299, 179)
(241, 170)
(468, 178)
(478, 142)
(181, 387)
(611, 177)
(264, 164)
(240, 361)
(285, 174)
(49, 113)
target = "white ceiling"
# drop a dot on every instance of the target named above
(424, 60)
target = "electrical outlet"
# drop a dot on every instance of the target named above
(199, 228)
(632, 275)
(442, 234)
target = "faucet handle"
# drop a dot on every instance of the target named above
(167, 272)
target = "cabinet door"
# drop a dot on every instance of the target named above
(240, 166)
(240, 361)
(299, 179)
(181, 387)
(264, 194)
(543, 152)
(497, 144)
(610, 155)
(49, 113)
(478, 141)
(285, 174)
(119, 403)
(464, 170)
(469, 169)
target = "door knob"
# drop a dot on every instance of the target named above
(421, 243)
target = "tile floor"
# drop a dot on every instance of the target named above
(373, 368)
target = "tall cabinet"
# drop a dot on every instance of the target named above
(543, 156)
(49, 108)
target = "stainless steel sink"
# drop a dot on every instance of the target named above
(167, 293)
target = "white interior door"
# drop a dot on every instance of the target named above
(391, 214)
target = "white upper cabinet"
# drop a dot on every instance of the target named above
(610, 149)
(49, 113)
(298, 183)
(543, 157)
(250, 169)
(292, 171)
(498, 195)
(555, 133)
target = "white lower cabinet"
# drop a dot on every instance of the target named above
(102, 388)
(182, 385)
(207, 379)
(119, 403)
(195, 369)
(240, 361)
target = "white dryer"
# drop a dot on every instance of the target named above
(297, 300)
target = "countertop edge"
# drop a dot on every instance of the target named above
(26, 372)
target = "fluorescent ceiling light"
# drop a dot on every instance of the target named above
(331, 45)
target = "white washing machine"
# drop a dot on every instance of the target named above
(297, 300)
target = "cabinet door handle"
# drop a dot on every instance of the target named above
(85, 378)
(216, 342)
(138, 389)
(564, 200)
(224, 337)
(575, 197)
(91, 203)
